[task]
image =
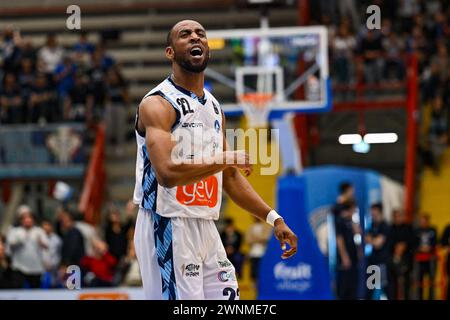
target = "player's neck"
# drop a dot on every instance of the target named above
(193, 82)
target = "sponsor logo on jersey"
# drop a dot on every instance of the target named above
(192, 125)
(225, 276)
(216, 110)
(191, 270)
(203, 193)
(217, 126)
(224, 263)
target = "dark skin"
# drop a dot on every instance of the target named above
(156, 118)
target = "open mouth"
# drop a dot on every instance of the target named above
(196, 52)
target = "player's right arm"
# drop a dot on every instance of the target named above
(156, 117)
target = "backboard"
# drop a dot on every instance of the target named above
(282, 69)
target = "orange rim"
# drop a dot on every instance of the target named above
(259, 100)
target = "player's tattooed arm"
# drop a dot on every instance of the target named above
(156, 117)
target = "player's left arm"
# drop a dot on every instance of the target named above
(242, 193)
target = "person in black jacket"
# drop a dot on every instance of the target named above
(426, 241)
(72, 242)
(378, 237)
(445, 242)
(232, 239)
(401, 256)
(117, 233)
(348, 252)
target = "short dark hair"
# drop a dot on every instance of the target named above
(344, 187)
(169, 37)
(228, 221)
(377, 206)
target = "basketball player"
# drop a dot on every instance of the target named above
(177, 244)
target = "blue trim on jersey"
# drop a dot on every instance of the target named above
(202, 100)
(149, 183)
(163, 242)
(177, 111)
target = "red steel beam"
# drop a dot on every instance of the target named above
(411, 138)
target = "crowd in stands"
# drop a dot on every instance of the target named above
(82, 83)
(39, 255)
(380, 56)
(406, 254)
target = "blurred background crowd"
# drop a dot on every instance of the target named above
(85, 83)
(54, 84)
(37, 254)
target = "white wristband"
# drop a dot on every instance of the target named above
(272, 216)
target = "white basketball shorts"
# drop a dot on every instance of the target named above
(182, 259)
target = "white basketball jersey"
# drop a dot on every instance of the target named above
(201, 120)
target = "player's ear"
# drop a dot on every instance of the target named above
(169, 53)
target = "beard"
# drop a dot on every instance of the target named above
(184, 62)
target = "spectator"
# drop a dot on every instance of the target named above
(445, 242)
(402, 255)
(431, 82)
(106, 61)
(377, 237)
(5, 266)
(65, 75)
(72, 241)
(117, 233)
(347, 252)
(11, 100)
(371, 48)
(52, 255)
(346, 194)
(9, 50)
(26, 77)
(78, 103)
(343, 46)
(394, 46)
(99, 268)
(257, 236)
(27, 51)
(97, 83)
(117, 102)
(438, 132)
(416, 41)
(50, 55)
(129, 274)
(83, 45)
(42, 105)
(89, 233)
(232, 239)
(442, 60)
(348, 8)
(83, 50)
(407, 9)
(27, 243)
(426, 239)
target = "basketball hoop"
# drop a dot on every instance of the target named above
(256, 107)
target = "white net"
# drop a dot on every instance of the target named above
(257, 107)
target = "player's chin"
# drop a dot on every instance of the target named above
(197, 61)
(196, 67)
